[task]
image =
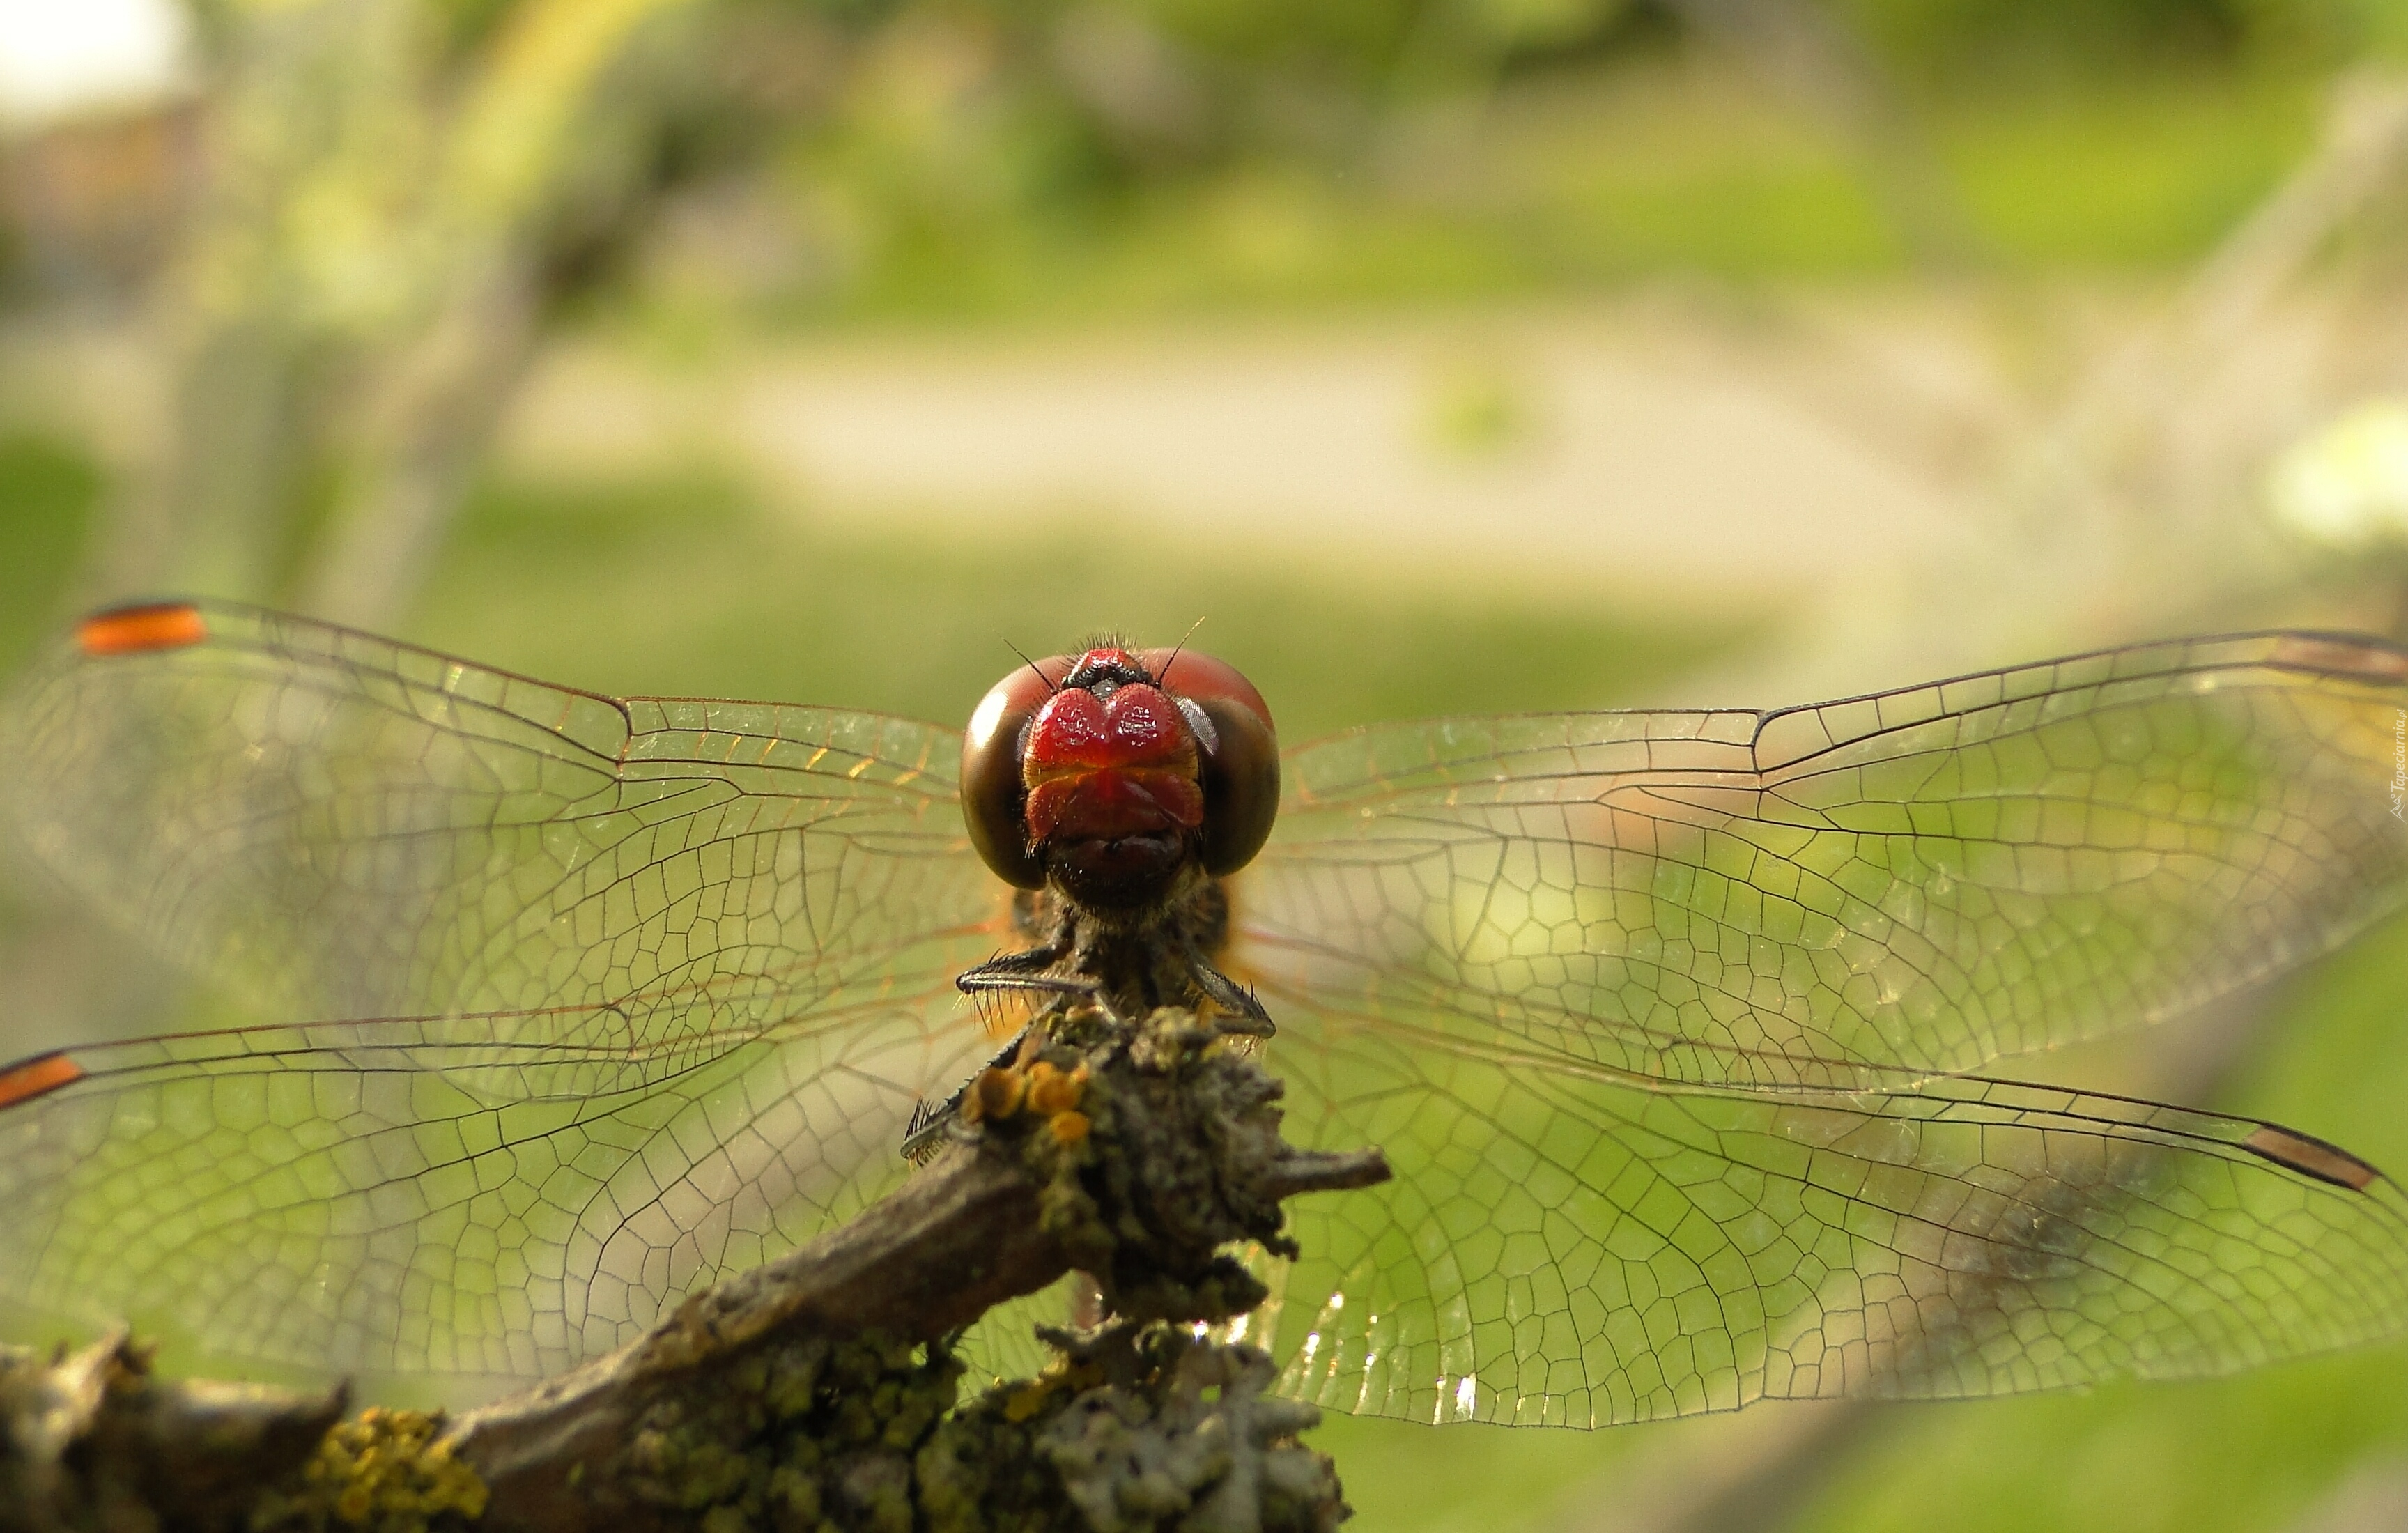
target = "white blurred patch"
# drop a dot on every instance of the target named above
(2346, 485)
(62, 58)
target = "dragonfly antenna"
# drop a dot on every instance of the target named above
(1032, 665)
(1164, 673)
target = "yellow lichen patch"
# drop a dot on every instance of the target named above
(383, 1472)
(1024, 1400)
(1023, 1403)
(1068, 1128)
(1052, 1091)
(1041, 1076)
(997, 1094)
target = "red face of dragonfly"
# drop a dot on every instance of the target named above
(1113, 771)
(559, 1006)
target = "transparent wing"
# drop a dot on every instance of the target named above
(1656, 1014)
(1003, 1343)
(662, 982)
(1565, 1246)
(1859, 894)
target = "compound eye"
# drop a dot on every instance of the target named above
(995, 801)
(1238, 754)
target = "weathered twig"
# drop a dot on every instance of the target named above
(91, 1441)
(1133, 1155)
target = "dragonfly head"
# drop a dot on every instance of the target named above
(1109, 772)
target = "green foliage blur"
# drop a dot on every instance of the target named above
(1060, 161)
(346, 245)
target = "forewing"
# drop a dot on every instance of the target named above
(337, 826)
(1561, 1246)
(1862, 892)
(662, 982)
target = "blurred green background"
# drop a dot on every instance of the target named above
(1442, 354)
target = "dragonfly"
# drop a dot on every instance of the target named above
(1669, 1022)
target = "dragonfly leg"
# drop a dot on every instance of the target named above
(930, 1123)
(1005, 969)
(1007, 972)
(1031, 970)
(1241, 1013)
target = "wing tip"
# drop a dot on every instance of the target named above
(2341, 656)
(2310, 1157)
(27, 1079)
(142, 628)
